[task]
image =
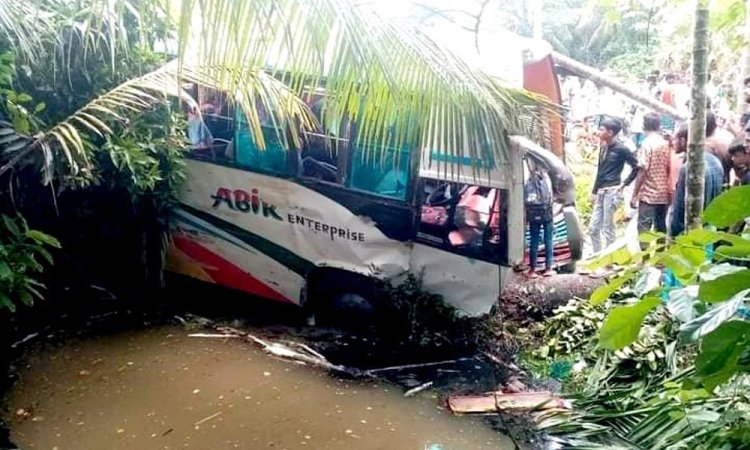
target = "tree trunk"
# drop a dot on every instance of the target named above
(536, 18)
(697, 134)
(741, 107)
(599, 78)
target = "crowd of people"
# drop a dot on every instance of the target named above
(658, 165)
(654, 150)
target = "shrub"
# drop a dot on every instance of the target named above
(20, 251)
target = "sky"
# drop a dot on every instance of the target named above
(495, 51)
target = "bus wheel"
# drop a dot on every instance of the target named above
(345, 301)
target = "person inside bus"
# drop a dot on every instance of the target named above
(198, 133)
(471, 216)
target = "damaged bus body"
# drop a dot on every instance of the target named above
(312, 227)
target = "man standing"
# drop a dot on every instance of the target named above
(607, 188)
(652, 193)
(537, 193)
(713, 176)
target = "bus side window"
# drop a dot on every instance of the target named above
(384, 172)
(320, 157)
(209, 125)
(246, 153)
(324, 151)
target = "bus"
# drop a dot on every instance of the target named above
(319, 226)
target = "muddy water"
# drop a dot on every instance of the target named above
(160, 389)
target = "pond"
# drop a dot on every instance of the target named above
(160, 389)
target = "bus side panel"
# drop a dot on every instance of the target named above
(471, 285)
(209, 253)
(275, 231)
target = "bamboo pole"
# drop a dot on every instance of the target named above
(697, 132)
(599, 78)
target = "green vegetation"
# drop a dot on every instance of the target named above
(23, 253)
(418, 320)
(655, 366)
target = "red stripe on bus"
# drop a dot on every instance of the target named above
(225, 272)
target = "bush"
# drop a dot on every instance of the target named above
(423, 321)
(20, 251)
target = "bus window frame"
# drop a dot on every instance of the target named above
(500, 258)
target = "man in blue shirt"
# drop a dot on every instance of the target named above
(713, 173)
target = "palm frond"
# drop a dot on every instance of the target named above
(396, 82)
(25, 25)
(104, 114)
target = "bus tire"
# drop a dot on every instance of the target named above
(343, 299)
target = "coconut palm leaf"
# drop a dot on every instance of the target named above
(104, 114)
(25, 25)
(393, 80)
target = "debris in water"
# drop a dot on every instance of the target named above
(418, 389)
(499, 401)
(195, 391)
(206, 419)
(213, 335)
(24, 340)
(416, 366)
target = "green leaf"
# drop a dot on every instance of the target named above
(681, 303)
(682, 267)
(623, 323)
(23, 98)
(11, 226)
(736, 250)
(650, 236)
(43, 238)
(724, 287)
(712, 319)
(720, 350)
(700, 236)
(6, 302)
(26, 297)
(715, 271)
(41, 106)
(728, 208)
(45, 254)
(602, 293)
(618, 256)
(5, 271)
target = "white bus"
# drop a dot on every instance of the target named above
(315, 226)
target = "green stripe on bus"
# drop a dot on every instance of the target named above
(283, 256)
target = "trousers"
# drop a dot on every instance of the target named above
(603, 218)
(534, 230)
